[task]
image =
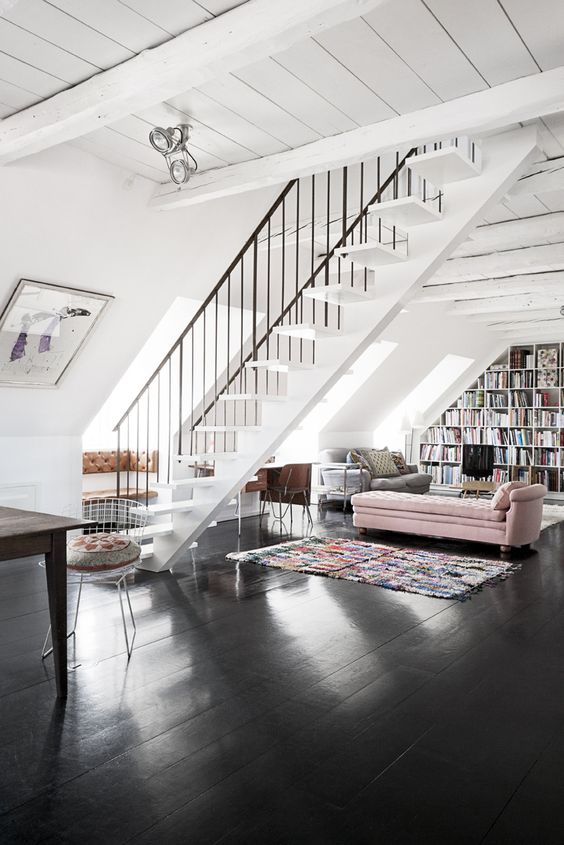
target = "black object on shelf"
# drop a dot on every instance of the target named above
(477, 461)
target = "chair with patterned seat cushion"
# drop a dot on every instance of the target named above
(106, 553)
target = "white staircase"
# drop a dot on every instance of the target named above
(321, 336)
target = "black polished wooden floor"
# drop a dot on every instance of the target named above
(269, 707)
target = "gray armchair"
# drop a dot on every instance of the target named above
(342, 482)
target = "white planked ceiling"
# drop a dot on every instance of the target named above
(402, 56)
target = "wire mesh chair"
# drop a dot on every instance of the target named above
(106, 553)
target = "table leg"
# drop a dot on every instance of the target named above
(56, 571)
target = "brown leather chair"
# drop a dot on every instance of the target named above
(288, 485)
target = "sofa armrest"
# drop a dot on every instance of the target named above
(524, 516)
(413, 467)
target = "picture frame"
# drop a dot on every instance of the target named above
(42, 329)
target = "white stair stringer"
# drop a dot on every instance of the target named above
(505, 158)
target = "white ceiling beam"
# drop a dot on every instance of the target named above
(554, 324)
(528, 231)
(504, 286)
(544, 176)
(510, 262)
(484, 112)
(250, 32)
(516, 316)
(500, 304)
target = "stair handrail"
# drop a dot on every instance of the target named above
(311, 279)
(209, 299)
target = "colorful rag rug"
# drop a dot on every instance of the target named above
(426, 572)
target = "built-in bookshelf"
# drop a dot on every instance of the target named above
(517, 406)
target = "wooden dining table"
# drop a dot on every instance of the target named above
(27, 533)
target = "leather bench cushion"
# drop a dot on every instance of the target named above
(101, 552)
(427, 504)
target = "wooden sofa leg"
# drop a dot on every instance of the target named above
(362, 530)
(505, 550)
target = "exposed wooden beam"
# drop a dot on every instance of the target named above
(544, 176)
(554, 323)
(250, 32)
(486, 111)
(510, 262)
(516, 316)
(552, 282)
(528, 231)
(499, 304)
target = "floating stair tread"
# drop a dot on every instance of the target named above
(342, 294)
(227, 428)
(372, 254)
(251, 397)
(278, 364)
(449, 164)
(308, 331)
(171, 507)
(158, 529)
(203, 481)
(406, 212)
(207, 456)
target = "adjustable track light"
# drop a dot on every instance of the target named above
(172, 143)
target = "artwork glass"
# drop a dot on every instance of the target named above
(42, 329)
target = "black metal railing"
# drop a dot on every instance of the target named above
(179, 411)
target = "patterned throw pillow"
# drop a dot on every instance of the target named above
(378, 462)
(399, 460)
(356, 456)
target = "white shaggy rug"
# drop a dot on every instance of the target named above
(551, 514)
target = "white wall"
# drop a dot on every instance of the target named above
(50, 466)
(425, 334)
(68, 218)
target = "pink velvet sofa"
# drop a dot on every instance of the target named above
(460, 519)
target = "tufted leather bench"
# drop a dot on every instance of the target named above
(106, 461)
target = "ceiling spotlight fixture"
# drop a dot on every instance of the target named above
(562, 311)
(172, 143)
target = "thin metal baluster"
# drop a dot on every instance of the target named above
(204, 380)
(169, 419)
(268, 256)
(255, 294)
(283, 272)
(327, 243)
(344, 189)
(148, 392)
(228, 334)
(363, 220)
(128, 453)
(241, 331)
(192, 392)
(138, 454)
(180, 386)
(118, 465)
(298, 263)
(215, 394)
(159, 477)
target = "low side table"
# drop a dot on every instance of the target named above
(476, 487)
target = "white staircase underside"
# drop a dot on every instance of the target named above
(506, 157)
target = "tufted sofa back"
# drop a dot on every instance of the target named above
(106, 461)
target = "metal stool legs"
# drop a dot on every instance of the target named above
(122, 583)
(45, 653)
(122, 588)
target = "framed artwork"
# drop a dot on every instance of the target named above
(42, 329)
